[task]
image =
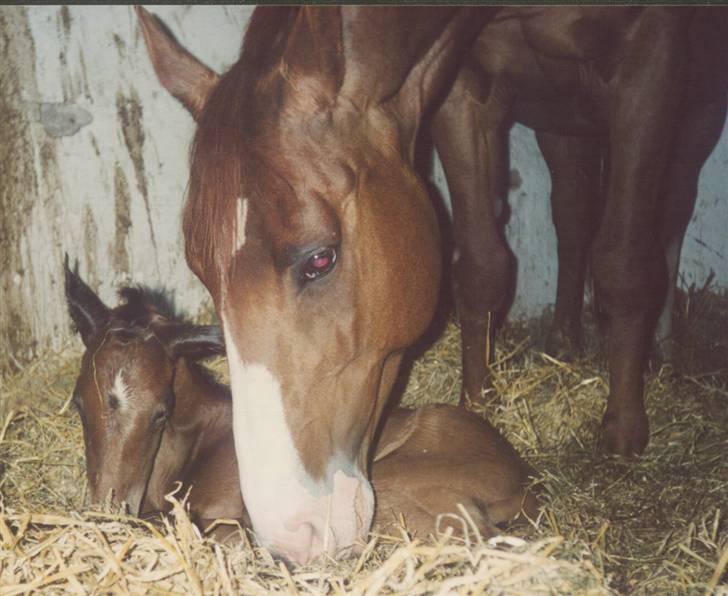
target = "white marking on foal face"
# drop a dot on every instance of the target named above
(241, 216)
(120, 390)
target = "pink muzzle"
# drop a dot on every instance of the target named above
(301, 526)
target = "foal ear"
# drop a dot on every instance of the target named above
(192, 341)
(183, 75)
(89, 314)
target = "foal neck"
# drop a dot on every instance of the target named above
(202, 405)
(200, 419)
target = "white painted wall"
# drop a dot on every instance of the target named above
(93, 60)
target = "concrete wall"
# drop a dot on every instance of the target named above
(94, 163)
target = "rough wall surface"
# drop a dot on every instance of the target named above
(18, 180)
(93, 159)
(93, 162)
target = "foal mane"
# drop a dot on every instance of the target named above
(140, 306)
(236, 133)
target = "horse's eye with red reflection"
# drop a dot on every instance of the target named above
(319, 264)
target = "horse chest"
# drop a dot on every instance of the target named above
(545, 75)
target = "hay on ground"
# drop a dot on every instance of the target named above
(657, 525)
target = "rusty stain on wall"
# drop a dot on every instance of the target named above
(84, 76)
(120, 45)
(18, 183)
(65, 15)
(95, 145)
(129, 111)
(122, 221)
(90, 242)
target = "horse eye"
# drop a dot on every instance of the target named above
(160, 418)
(113, 401)
(319, 264)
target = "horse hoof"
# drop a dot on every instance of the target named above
(625, 434)
(485, 398)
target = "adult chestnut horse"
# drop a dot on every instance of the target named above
(645, 86)
(307, 224)
(316, 239)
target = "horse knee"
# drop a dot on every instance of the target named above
(482, 281)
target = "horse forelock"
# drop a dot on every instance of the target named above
(237, 138)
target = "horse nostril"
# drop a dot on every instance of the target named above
(299, 543)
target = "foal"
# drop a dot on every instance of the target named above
(152, 416)
(430, 459)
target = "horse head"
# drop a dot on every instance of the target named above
(317, 240)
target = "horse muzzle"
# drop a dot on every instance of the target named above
(302, 526)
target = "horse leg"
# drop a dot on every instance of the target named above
(698, 134)
(628, 264)
(575, 166)
(472, 145)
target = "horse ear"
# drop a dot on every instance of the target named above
(191, 341)
(183, 75)
(89, 314)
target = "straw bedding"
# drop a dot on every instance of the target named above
(658, 525)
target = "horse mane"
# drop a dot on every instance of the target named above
(239, 122)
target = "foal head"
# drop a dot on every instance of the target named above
(318, 243)
(125, 389)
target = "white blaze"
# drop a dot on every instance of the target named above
(121, 390)
(292, 514)
(270, 468)
(241, 216)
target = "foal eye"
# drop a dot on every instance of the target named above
(319, 264)
(113, 401)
